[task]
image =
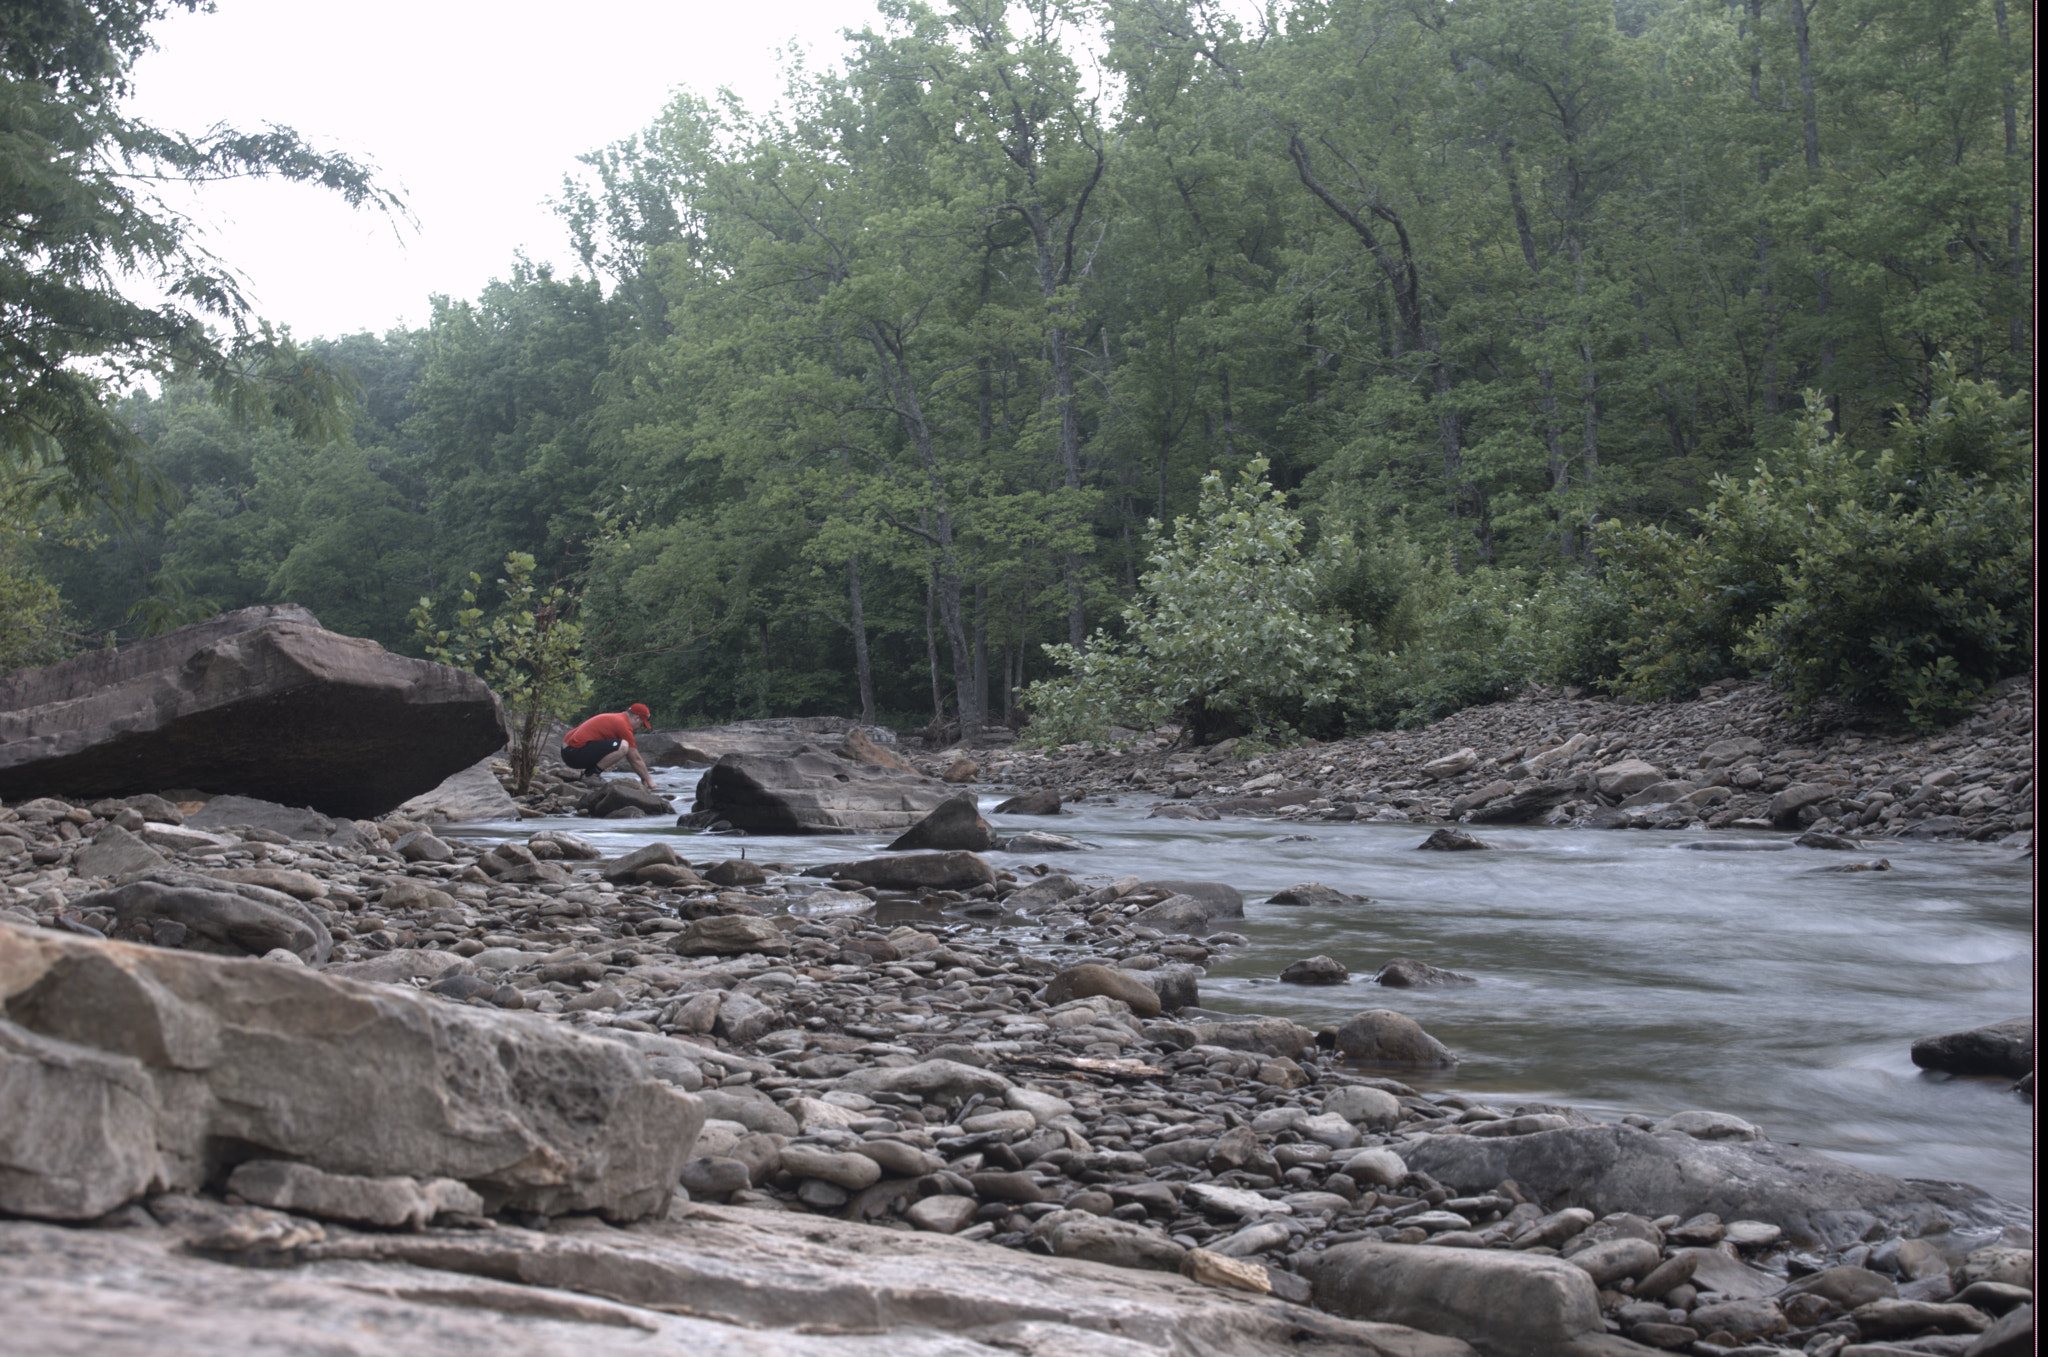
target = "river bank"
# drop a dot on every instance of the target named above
(1735, 757)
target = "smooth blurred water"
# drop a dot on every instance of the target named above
(1617, 969)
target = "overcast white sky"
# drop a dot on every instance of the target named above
(473, 112)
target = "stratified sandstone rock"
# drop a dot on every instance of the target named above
(813, 792)
(262, 701)
(143, 1065)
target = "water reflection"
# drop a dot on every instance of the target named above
(1617, 970)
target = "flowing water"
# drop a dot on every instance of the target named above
(1617, 970)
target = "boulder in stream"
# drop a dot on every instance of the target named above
(2005, 1049)
(956, 823)
(813, 792)
(262, 701)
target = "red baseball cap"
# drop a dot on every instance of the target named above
(639, 709)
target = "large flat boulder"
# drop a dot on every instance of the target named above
(474, 793)
(143, 1067)
(780, 736)
(723, 1283)
(263, 702)
(813, 792)
(1609, 1168)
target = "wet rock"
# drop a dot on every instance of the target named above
(262, 702)
(1081, 982)
(1407, 973)
(1709, 1126)
(2005, 1049)
(957, 871)
(1315, 970)
(1262, 1036)
(814, 792)
(1034, 897)
(1847, 1287)
(1035, 841)
(1314, 894)
(1530, 803)
(1178, 914)
(1031, 803)
(1448, 840)
(955, 823)
(1172, 811)
(1786, 805)
(1383, 1037)
(1223, 899)
(619, 799)
(115, 852)
(1499, 1301)
(1814, 838)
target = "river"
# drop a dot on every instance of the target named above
(1621, 971)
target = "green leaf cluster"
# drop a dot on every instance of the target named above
(529, 650)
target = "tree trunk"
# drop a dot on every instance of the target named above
(1823, 283)
(931, 648)
(860, 642)
(980, 713)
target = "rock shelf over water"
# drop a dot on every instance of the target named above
(373, 1083)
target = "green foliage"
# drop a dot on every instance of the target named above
(35, 626)
(1226, 633)
(530, 652)
(77, 220)
(1900, 582)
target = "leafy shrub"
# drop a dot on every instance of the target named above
(1901, 582)
(1229, 632)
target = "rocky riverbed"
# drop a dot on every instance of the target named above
(849, 1047)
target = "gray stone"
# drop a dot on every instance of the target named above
(1043, 802)
(1383, 1037)
(1315, 970)
(1626, 777)
(1734, 749)
(1315, 894)
(714, 1176)
(114, 852)
(1117, 1243)
(300, 823)
(1080, 982)
(422, 846)
(1613, 1259)
(1786, 805)
(366, 1080)
(1178, 914)
(262, 702)
(1451, 765)
(1178, 986)
(1618, 1168)
(954, 871)
(1037, 841)
(219, 917)
(390, 1201)
(929, 1079)
(1378, 1167)
(1709, 1126)
(1371, 1108)
(2005, 1049)
(1035, 897)
(730, 935)
(943, 1213)
(404, 965)
(1408, 973)
(624, 869)
(471, 795)
(1224, 900)
(1448, 840)
(1261, 1036)
(813, 792)
(842, 1168)
(954, 823)
(620, 799)
(1511, 1304)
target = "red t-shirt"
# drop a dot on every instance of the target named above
(606, 725)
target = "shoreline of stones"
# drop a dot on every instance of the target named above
(1067, 1097)
(1736, 757)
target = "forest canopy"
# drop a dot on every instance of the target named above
(1524, 316)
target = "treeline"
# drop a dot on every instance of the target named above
(863, 403)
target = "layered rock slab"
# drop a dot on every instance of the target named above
(262, 701)
(152, 1070)
(813, 792)
(726, 1283)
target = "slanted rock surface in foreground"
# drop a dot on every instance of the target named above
(262, 701)
(141, 1067)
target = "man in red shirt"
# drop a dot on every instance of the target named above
(599, 743)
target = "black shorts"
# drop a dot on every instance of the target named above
(587, 755)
